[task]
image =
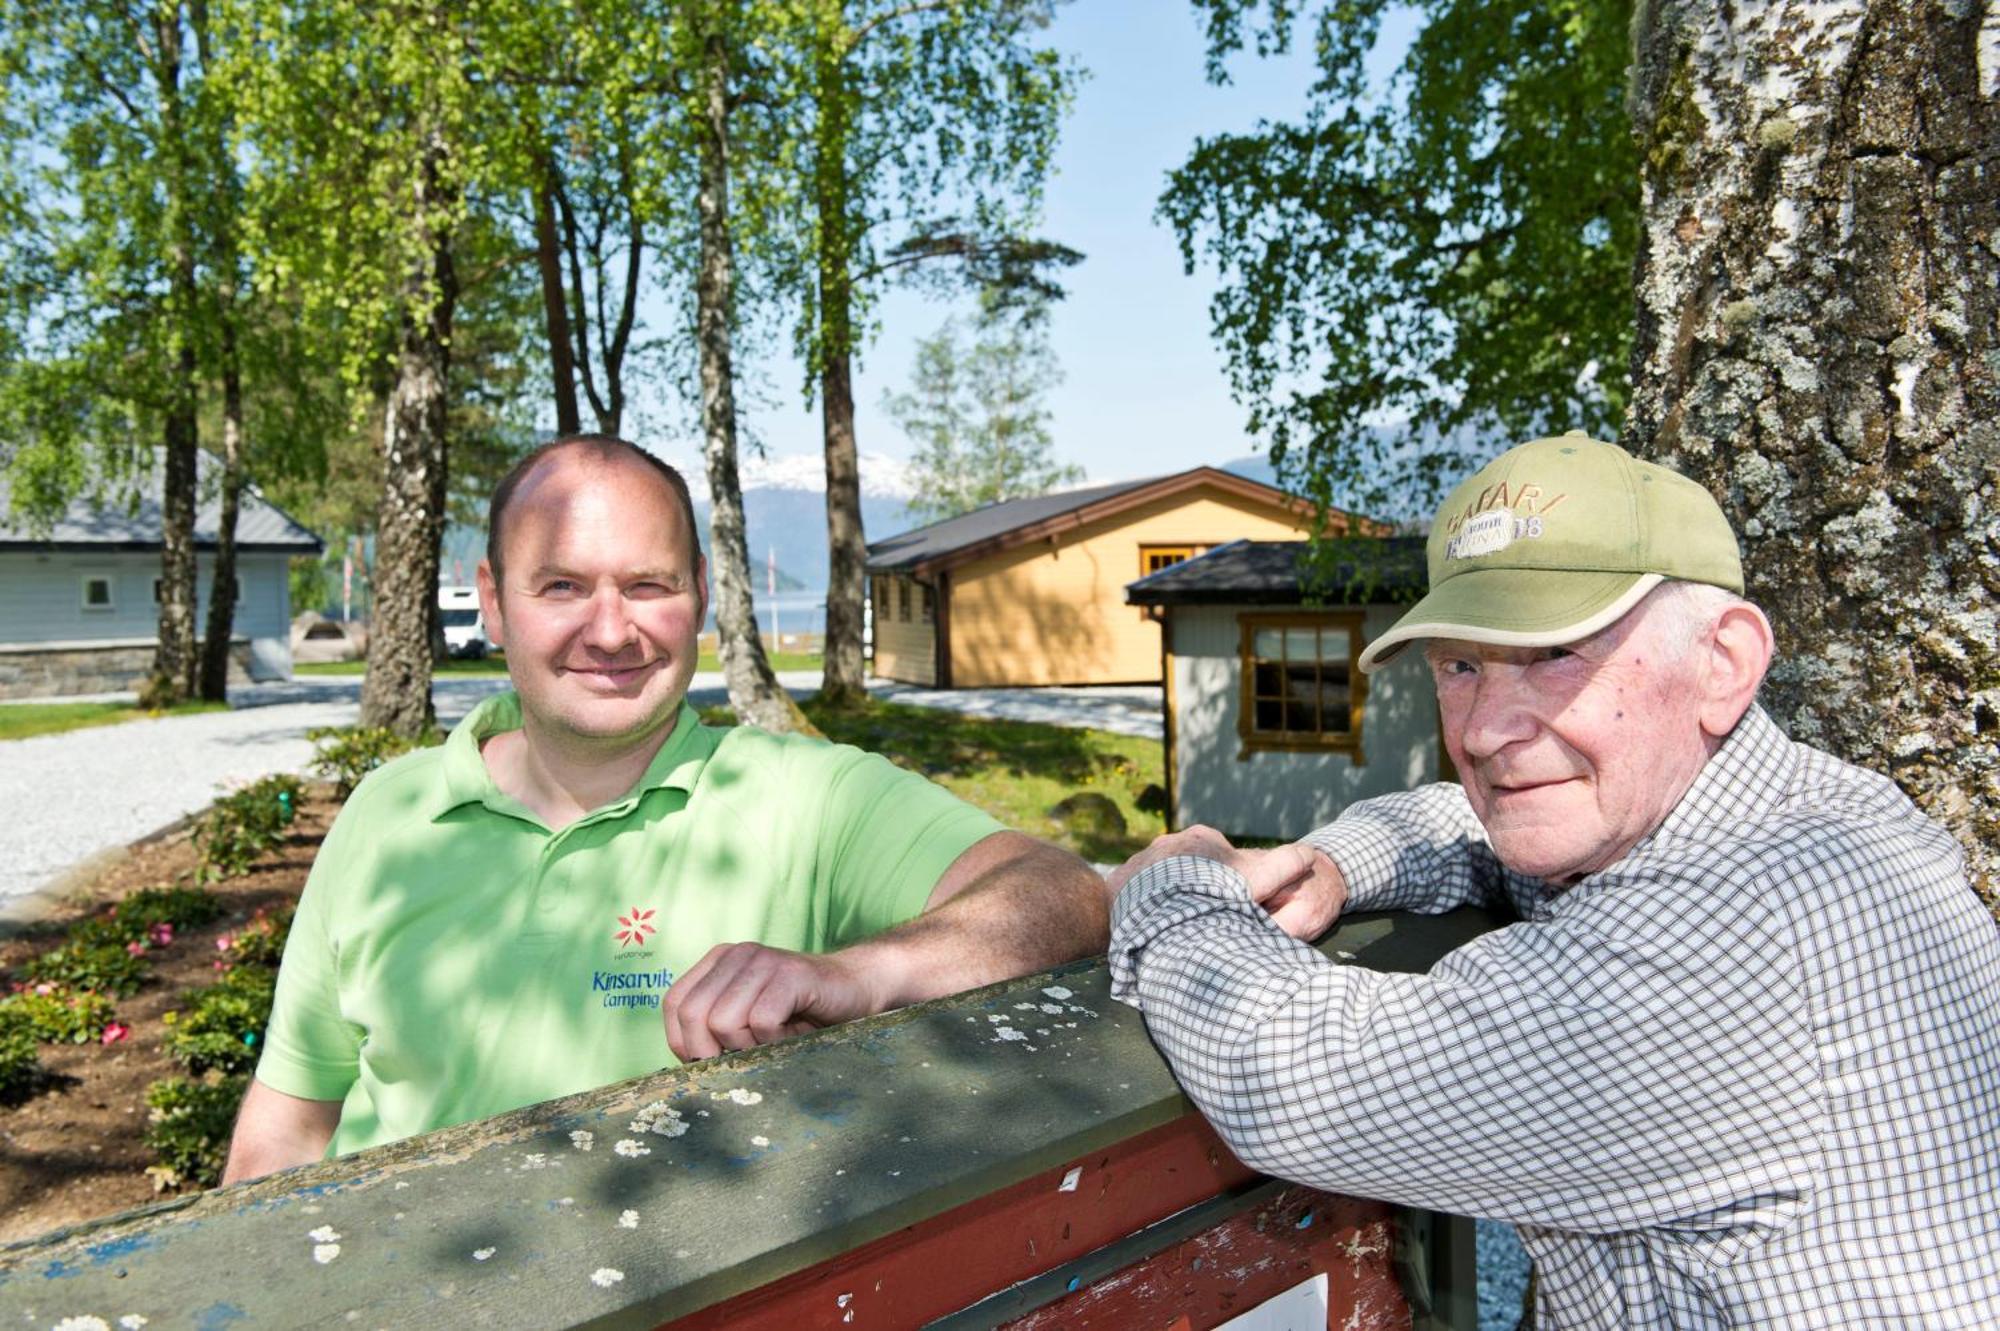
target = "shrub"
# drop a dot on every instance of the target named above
(20, 1057)
(141, 917)
(241, 826)
(223, 1025)
(104, 968)
(58, 1017)
(262, 941)
(345, 754)
(188, 1126)
(181, 907)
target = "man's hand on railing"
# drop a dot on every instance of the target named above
(745, 994)
(1303, 890)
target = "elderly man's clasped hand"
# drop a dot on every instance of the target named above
(1301, 888)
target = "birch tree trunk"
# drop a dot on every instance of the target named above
(175, 663)
(841, 681)
(222, 580)
(753, 687)
(555, 308)
(396, 691)
(1817, 293)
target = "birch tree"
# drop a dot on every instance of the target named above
(718, 57)
(130, 216)
(366, 136)
(930, 130)
(1819, 344)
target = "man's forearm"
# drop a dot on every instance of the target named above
(276, 1131)
(1029, 907)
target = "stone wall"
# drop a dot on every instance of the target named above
(40, 673)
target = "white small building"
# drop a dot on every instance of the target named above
(1270, 731)
(79, 604)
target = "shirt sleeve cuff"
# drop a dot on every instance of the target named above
(306, 1079)
(1166, 896)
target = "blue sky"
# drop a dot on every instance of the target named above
(1145, 390)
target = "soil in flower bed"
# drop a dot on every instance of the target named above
(73, 1148)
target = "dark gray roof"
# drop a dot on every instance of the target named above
(115, 524)
(1371, 570)
(923, 544)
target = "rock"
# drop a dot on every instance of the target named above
(1090, 813)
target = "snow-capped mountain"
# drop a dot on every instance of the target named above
(882, 477)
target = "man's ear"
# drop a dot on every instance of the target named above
(1738, 653)
(489, 605)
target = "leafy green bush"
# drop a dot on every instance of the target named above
(345, 754)
(104, 968)
(181, 907)
(58, 1017)
(20, 1057)
(262, 941)
(188, 1126)
(235, 833)
(223, 1025)
(148, 915)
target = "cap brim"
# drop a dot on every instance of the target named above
(1514, 607)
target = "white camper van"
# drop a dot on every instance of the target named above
(464, 631)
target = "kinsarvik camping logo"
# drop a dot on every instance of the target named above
(635, 928)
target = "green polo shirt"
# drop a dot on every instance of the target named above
(452, 958)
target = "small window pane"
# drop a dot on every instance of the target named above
(1302, 644)
(1269, 645)
(1270, 714)
(1266, 681)
(97, 593)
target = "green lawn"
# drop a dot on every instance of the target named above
(497, 665)
(1015, 770)
(20, 720)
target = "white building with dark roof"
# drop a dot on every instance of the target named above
(79, 603)
(1270, 730)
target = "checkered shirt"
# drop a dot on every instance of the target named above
(1748, 1076)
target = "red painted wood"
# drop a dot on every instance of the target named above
(1208, 1278)
(958, 1258)
(955, 1259)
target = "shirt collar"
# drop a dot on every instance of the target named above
(676, 766)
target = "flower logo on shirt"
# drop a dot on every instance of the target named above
(633, 929)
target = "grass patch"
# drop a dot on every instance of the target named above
(1015, 770)
(20, 720)
(489, 666)
(495, 666)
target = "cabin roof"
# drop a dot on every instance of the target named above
(1014, 522)
(1370, 570)
(135, 523)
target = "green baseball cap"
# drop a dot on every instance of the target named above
(1556, 539)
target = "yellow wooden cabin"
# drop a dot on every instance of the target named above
(1032, 591)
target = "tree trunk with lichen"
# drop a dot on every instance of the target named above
(754, 690)
(396, 692)
(1818, 286)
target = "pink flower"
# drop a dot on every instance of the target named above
(224, 943)
(162, 934)
(45, 988)
(137, 949)
(223, 966)
(113, 1033)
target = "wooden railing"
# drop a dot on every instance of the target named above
(1018, 1155)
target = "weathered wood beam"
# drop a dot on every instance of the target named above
(658, 1198)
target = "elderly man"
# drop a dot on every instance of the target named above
(584, 878)
(1738, 1065)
